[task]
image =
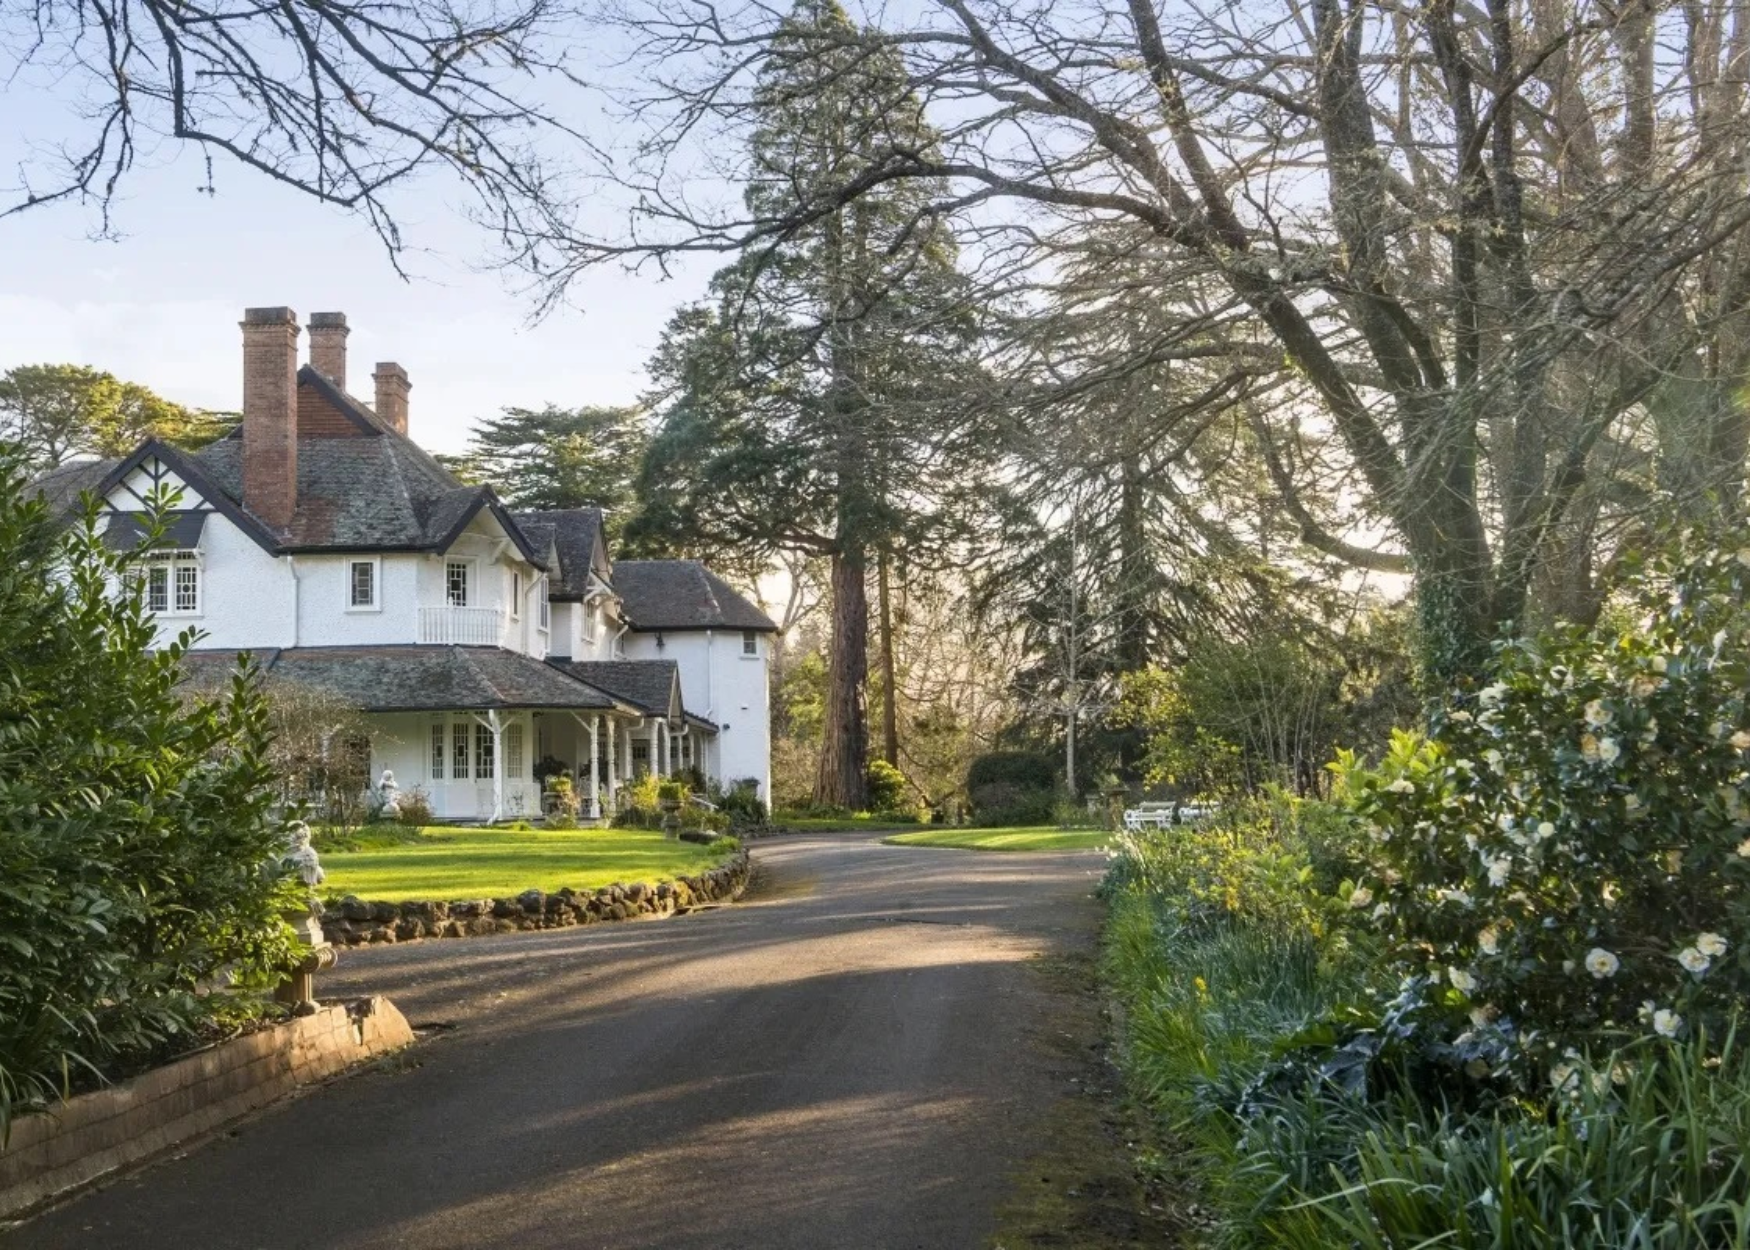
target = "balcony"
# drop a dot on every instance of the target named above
(466, 627)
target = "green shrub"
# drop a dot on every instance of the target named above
(1012, 788)
(741, 803)
(415, 807)
(1570, 852)
(140, 841)
(887, 787)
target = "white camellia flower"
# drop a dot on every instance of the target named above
(1460, 717)
(1666, 1022)
(1489, 941)
(1601, 963)
(1492, 758)
(1489, 696)
(1361, 897)
(1403, 785)
(1545, 829)
(1597, 715)
(1744, 849)
(1711, 944)
(1661, 663)
(1462, 981)
(1608, 750)
(1693, 960)
(1741, 740)
(1500, 868)
(1482, 1017)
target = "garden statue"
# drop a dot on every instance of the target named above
(299, 987)
(386, 788)
(302, 858)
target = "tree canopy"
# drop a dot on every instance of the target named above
(55, 412)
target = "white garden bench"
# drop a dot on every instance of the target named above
(1155, 815)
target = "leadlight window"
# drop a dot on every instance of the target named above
(173, 585)
(543, 611)
(437, 751)
(513, 750)
(482, 752)
(456, 583)
(516, 596)
(459, 751)
(362, 584)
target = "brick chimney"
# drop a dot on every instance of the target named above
(392, 388)
(328, 346)
(270, 414)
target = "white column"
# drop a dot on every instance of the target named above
(595, 798)
(626, 753)
(659, 745)
(613, 769)
(497, 727)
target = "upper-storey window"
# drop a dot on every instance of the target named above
(361, 585)
(516, 595)
(173, 584)
(591, 614)
(456, 583)
(543, 610)
(750, 642)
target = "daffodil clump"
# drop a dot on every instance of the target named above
(1567, 855)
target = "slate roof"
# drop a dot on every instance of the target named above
(182, 531)
(60, 487)
(649, 685)
(415, 678)
(683, 594)
(575, 534)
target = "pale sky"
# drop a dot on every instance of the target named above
(161, 305)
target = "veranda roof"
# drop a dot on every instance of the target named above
(417, 678)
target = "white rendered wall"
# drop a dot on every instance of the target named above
(325, 617)
(723, 685)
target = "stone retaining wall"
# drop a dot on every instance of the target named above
(71, 1145)
(356, 921)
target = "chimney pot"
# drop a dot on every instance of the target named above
(328, 346)
(392, 389)
(270, 414)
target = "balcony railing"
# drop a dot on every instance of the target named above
(476, 627)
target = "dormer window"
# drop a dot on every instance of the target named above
(456, 583)
(361, 585)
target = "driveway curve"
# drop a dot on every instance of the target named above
(856, 1056)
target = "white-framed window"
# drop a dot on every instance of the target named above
(750, 642)
(640, 756)
(362, 579)
(591, 621)
(516, 595)
(482, 752)
(437, 750)
(513, 750)
(543, 609)
(173, 584)
(459, 751)
(457, 576)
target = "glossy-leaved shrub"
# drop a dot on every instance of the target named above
(140, 835)
(1566, 857)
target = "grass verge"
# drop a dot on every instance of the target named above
(445, 862)
(1040, 838)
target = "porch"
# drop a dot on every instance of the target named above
(603, 751)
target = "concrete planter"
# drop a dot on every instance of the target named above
(88, 1137)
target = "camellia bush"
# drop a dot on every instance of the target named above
(1565, 858)
(140, 833)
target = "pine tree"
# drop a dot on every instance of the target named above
(807, 407)
(559, 458)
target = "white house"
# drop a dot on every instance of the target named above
(478, 641)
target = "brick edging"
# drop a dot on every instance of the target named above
(53, 1152)
(356, 922)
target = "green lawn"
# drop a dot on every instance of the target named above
(1038, 838)
(448, 863)
(836, 824)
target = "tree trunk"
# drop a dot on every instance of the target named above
(889, 699)
(844, 749)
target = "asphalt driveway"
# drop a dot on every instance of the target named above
(858, 1056)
